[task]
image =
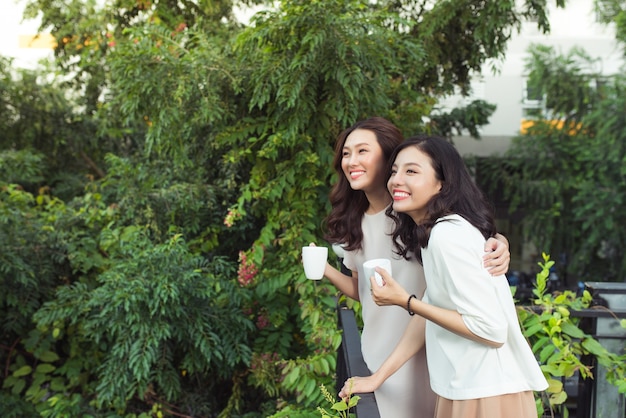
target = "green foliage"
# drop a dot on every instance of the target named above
(566, 174)
(468, 32)
(163, 104)
(326, 66)
(340, 408)
(29, 262)
(23, 166)
(43, 137)
(461, 120)
(170, 175)
(560, 345)
(612, 12)
(148, 321)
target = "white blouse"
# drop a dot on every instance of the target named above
(456, 279)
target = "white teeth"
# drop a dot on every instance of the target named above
(400, 194)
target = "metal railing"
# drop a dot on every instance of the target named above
(350, 361)
(595, 397)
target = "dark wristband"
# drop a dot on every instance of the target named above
(408, 305)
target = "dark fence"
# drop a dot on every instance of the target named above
(350, 361)
(596, 398)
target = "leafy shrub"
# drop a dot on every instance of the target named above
(561, 345)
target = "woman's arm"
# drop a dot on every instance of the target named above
(348, 285)
(448, 319)
(411, 343)
(497, 257)
(394, 294)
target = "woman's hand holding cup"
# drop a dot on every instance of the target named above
(390, 293)
(314, 260)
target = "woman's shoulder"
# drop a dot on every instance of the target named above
(452, 221)
(452, 228)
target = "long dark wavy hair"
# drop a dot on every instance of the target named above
(459, 195)
(343, 224)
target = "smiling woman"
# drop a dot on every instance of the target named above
(360, 162)
(479, 363)
(413, 182)
(358, 222)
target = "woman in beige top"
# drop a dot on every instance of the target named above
(358, 222)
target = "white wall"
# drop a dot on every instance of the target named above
(573, 26)
(11, 27)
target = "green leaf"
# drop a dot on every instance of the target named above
(18, 387)
(45, 368)
(49, 356)
(554, 386)
(593, 347)
(340, 406)
(532, 330)
(23, 371)
(57, 384)
(354, 400)
(293, 375)
(558, 398)
(546, 352)
(572, 330)
(540, 343)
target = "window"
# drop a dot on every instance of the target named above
(532, 98)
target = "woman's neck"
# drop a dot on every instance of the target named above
(378, 201)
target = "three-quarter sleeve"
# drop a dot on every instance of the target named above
(455, 250)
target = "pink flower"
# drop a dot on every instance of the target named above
(262, 321)
(247, 270)
(232, 216)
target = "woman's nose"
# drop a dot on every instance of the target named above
(395, 179)
(353, 160)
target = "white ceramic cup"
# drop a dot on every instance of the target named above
(370, 265)
(314, 261)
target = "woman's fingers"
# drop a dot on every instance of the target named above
(391, 293)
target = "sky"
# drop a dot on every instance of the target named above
(11, 27)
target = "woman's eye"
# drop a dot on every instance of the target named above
(392, 172)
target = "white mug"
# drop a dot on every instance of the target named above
(370, 265)
(314, 261)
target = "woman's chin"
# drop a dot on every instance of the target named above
(399, 207)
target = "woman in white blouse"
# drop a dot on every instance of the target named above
(479, 362)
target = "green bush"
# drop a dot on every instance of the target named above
(559, 343)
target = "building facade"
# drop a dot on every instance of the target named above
(577, 25)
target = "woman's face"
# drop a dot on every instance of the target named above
(413, 182)
(363, 161)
